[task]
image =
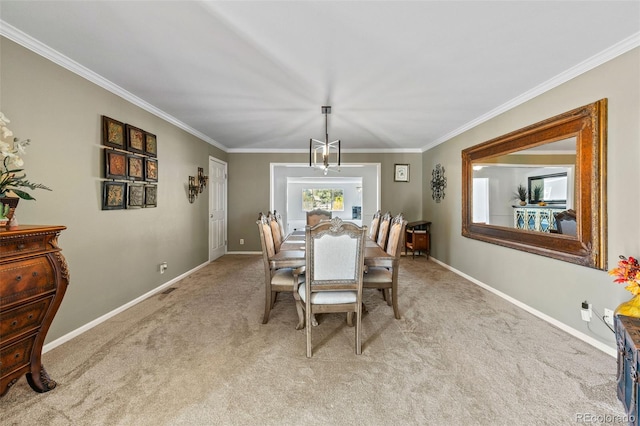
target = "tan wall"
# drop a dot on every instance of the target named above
(249, 189)
(553, 287)
(113, 256)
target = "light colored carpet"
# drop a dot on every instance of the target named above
(200, 356)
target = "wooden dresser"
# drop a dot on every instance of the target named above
(628, 342)
(33, 279)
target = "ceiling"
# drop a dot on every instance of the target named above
(251, 76)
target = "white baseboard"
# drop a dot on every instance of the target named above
(244, 252)
(580, 335)
(103, 318)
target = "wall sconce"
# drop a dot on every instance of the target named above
(202, 179)
(193, 189)
(197, 186)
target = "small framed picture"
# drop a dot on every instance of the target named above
(115, 164)
(135, 139)
(401, 173)
(151, 169)
(150, 195)
(135, 166)
(113, 133)
(150, 145)
(136, 196)
(114, 195)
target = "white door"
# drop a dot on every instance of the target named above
(217, 208)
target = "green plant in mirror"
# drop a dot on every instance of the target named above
(521, 193)
(536, 193)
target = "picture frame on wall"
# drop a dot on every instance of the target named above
(135, 139)
(113, 133)
(150, 145)
(150, 195)
(136, 196)
(114, 195)
(401, 173)
(135, 167)
(115, 164)
(151, 169)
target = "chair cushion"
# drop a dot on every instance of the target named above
(377, 275)
(284, 276)
(328, 297)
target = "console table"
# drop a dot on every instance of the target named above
(417, 238)
(628, 340)
(33, 279)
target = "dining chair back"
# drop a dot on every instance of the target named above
(275, 280)
(566, 222)
(278, 217)
(373, 227)
(315, 216)
(383, 233)
(276, 231)
(334, 259)
(386, 279)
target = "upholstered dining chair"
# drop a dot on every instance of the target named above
(275, 280)
(566, 222)
(315, 216)
(383, 232)
(334, 260)
(375, 224)
(278, 217)
(276, 231)
(386, 279)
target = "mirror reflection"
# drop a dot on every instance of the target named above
(541, 189)
(525, 189)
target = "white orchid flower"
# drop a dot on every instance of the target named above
(4, 119)
(21, 146)
(6, 132)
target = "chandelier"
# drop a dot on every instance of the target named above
(324, 154)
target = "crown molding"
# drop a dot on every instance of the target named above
(598, 59)
(28, 42)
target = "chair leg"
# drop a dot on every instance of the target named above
(274, 297)
(394, 298)
(267, 305)
(358, 329)
(350, 319)
(385, 292)
(300, 310)
(308, 328)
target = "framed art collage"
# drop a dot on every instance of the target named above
(131, 164)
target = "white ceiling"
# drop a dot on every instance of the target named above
(252, 75)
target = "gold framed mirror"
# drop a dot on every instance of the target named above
(561, 159)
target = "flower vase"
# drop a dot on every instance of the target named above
(12, 202)
(630, 308)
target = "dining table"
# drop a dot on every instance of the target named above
(292, 253)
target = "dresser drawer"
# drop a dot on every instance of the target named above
(16, 356)
(24, 279)
(22, 319)
(24, 245)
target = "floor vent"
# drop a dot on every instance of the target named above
(169, 290)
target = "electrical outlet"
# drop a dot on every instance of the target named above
(241, 241)
(585, 311)
(163, 267)
(608, 316)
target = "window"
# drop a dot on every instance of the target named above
(325, 199)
